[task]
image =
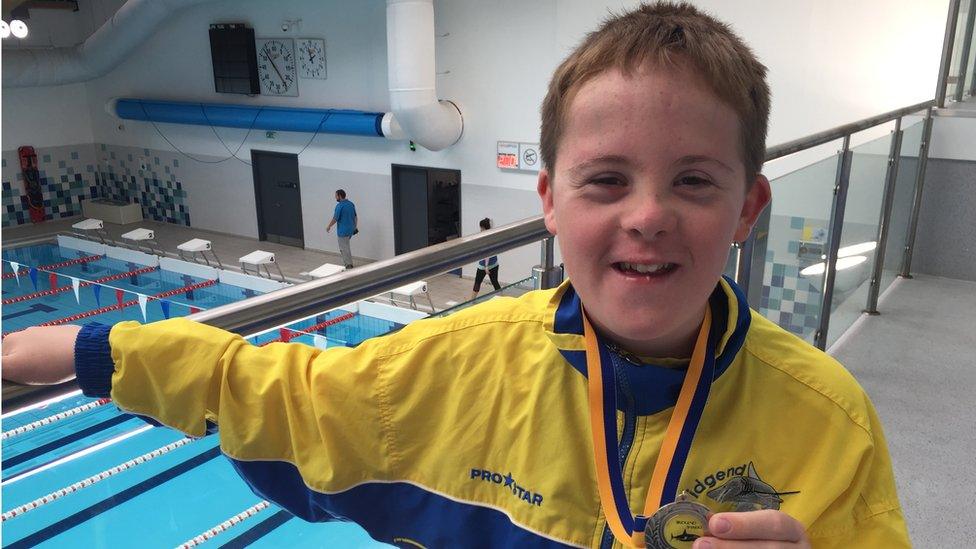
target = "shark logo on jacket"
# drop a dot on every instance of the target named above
(507, 482)
(740, 486)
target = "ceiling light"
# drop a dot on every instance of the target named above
(4, 30)
(18, 28)
(857, 249)
(842, 263)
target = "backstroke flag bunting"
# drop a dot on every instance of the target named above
(75, 285)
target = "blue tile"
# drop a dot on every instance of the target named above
(796, 222)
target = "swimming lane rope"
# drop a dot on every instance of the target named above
(52, 266)
(53, 496)
(53, 291)
(224, 526)
(56, 417)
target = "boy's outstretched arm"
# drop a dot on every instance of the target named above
(318, 418)
(40, 356)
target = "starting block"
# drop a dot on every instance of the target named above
(142, 236)
(198, 246)
(91, 226)
(410, 291)
(322, 271)
(257, 258)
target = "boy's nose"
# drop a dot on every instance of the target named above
(649, 216)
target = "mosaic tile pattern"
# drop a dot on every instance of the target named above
(142, 177)
(66, 174)
(789, 299)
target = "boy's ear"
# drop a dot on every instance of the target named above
(756, 201)
(544, 187)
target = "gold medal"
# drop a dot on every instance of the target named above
(677, 525)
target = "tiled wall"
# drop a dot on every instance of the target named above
(67, 175)
(789, 299)
(146, 177)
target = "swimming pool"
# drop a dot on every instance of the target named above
(79, 471)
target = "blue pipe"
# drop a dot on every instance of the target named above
(338, 121)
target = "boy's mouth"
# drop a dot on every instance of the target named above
(648, 270)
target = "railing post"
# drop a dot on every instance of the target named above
(967, 42)
(950, 37)
(923, 160)
(547, 274)
(891, 177)
(751, 259)
(836, 227)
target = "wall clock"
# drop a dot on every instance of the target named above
(276, 66)
(311, 58)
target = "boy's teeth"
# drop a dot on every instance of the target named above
(645, 269)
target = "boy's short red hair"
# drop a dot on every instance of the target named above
(668, 35)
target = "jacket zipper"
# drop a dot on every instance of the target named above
(627, 437)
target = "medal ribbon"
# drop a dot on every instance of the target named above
(628, 529)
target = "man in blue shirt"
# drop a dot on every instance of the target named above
(345, 216)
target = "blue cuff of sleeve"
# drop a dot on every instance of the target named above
(93, 360)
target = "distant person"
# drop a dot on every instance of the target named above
(487, 265)
(345, 216)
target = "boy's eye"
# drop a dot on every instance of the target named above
(608, 180)
(693, 181)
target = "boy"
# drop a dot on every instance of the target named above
(527, 422)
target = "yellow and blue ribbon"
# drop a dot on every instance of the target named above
(680, 433)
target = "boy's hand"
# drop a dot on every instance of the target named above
(762, 529)
(40, 356)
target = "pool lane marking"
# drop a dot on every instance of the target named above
(84, 283)
(79, 454)
(41, 404)
(56, 417)
(57, 494)
(259, 530)
(224, 526)
(129, 303)
(72, 437)
(69, 262)
(92, 511)
(305, 331)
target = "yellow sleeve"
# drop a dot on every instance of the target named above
(868, 515)
(319, 410)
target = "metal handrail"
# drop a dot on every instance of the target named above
(303, 300)
(810, 141)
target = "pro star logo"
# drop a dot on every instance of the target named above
(740, 486)
(508, 482)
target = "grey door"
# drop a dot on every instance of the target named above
(426, 207)
(278, 197)
(409, 209)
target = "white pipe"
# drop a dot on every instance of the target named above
(131, 25)
(433, 124)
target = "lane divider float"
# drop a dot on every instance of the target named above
(224, 526)
(52, 266)
(84, 284)
(54, 496)
(284, 335)
(56, 417)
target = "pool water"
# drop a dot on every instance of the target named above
(169, 499)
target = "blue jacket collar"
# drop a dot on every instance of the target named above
(652, 387)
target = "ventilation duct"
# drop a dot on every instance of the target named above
(336, 121)
(431, 123)
(131, 25)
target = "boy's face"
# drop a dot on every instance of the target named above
(647, 194)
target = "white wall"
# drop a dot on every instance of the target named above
(831, 62)
(50, 116)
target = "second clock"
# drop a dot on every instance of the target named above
(311, 58)
(276, 66)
